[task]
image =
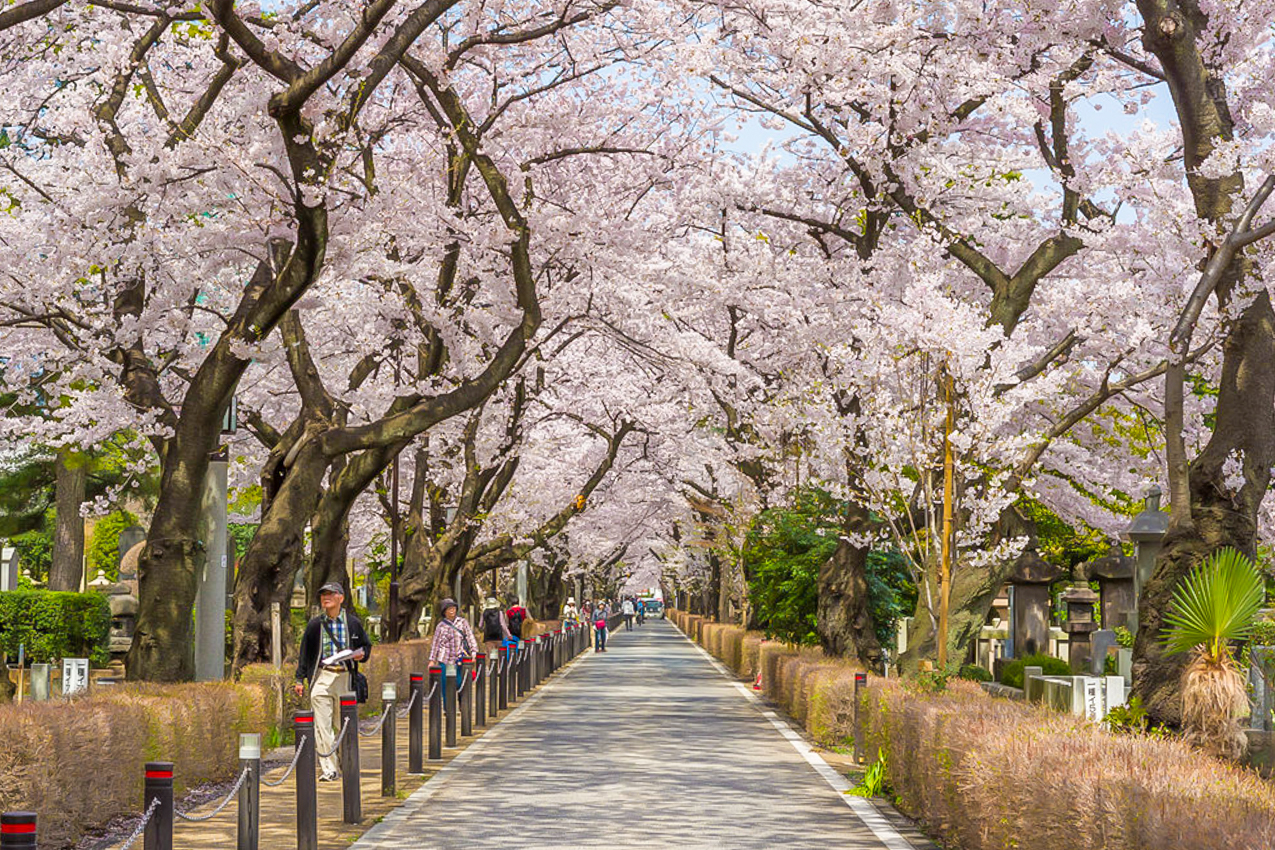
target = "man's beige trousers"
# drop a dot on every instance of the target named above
(325, 700)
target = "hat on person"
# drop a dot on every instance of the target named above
(571, 600)
(491, 602)
(447, 603)
(332, 587)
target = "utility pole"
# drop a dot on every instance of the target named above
(391, 604)
(945, 566)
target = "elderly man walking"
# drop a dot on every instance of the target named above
(333, 631)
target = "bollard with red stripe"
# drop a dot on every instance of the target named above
(351, 804)
(307, 792)
(17, 829)
(480, 690)
(435, 714)
(860, 682)
(501, 690)
(416, 725)
(158, 792)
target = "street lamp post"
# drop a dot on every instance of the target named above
(1147, 531)
(211, 599)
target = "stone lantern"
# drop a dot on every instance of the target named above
(1114, 572)
(1147, 531)
(1080, 601)
(1030, 609)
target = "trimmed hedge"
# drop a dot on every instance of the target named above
(79, 764)
(53, 625)
(989, 774)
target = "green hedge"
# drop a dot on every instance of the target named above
(53, 625)
(1012, 674)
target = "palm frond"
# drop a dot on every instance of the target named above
(1215, 604)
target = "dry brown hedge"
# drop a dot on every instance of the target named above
(991, 774)
(79, 764)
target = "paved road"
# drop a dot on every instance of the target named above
(646, 745)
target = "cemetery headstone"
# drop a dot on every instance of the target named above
(1260, 670)
(75, 676)
(9, 568)
(41, 674)
(129, 538)
(1101, 643)
(1031, 579)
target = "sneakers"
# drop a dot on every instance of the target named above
(332, 776)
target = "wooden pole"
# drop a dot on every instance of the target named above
(945, 567)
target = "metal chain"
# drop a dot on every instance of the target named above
(226, 802)
(430, 695)
(296, 758)
(407, 709)
(464, 680)
(379, 723)
(141, 827)
(345, 726)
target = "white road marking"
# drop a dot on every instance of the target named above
(865, 811)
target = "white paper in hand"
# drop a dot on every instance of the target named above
(338, 657)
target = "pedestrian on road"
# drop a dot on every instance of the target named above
(495, 626)
(325, 635)
(600, 614)
(453, 643)
(570, 614)
(629, 611)
(515, 617)
(641, 612)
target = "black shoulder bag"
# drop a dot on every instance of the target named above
(358, 682)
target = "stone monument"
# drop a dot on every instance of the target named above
(1031, 579)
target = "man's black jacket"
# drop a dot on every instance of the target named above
(311, 640)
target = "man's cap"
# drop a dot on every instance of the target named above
(447, 603)
(332, 587)
(491, 602)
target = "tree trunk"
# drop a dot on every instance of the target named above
(1220, 516)
(71, 479)
(844, 620)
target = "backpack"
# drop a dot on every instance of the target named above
(491, 625)
(515, 616)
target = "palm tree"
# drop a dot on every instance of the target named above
(1214, 607)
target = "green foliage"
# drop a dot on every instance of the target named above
(103, 550)
(54, 625)
(783, 552)
(1124, 637)
(241, 534)
(35, 548)
(1060, 542)
(975, 673)
(873, 784)
(1012, 674)
(932, 681)
(1214, 605)
(891, 592)
(1132, 719)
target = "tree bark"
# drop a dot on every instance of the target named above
(71, 480)
(844, 620)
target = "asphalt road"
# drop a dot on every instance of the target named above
(647, 745)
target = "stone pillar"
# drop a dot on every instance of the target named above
(1118, 601)
(1031, 579)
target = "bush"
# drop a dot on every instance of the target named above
(974, 673)
(53, 625)
(103, 550)
(988, 773)
(1012, 675)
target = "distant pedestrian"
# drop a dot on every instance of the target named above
(641, 612)
(515, 617)
(325, 635)
(570, 614)
(629, 611)
(453, 643)
(495, 626)
(600, 613)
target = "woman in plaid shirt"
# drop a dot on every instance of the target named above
(453, 642)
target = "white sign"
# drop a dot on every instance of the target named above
(75, 676)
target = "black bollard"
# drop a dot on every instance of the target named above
(17, 829)
(416, 725)
(520, 669)
(466, 698)
(493, 701)
(860, 682)
(351, 800)
(158, 786)
(480, 690)
(307, 791)
(449, 706)
(537, 661)
(249, 836)
(389, 738)
(504, 659)
(435, 714)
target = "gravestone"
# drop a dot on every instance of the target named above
(1031, 579)
(129, 538)
(1101, 643)
(1114, 573)
(41, 676)
(1261, 670)
(75, 676)
(9, 567)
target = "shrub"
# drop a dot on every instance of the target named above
(103, 550)
(987, 774)
(53, 625)
(1012, 675)
(975, 673)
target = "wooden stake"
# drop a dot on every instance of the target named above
(945, 566)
